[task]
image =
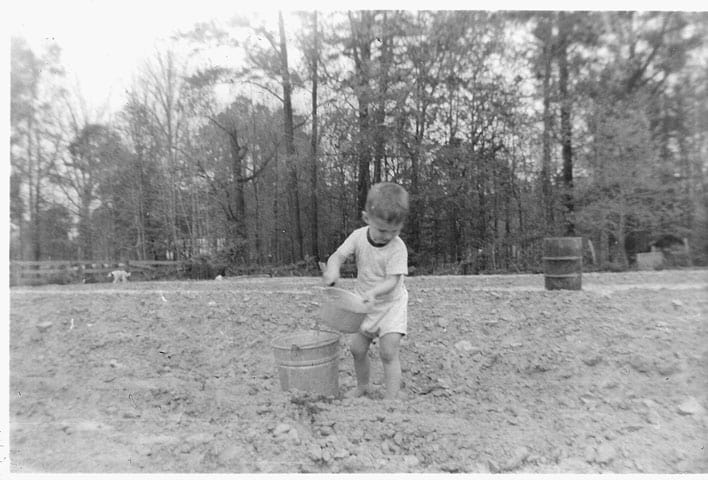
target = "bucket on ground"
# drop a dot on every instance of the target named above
(308, 361)
(563, 263)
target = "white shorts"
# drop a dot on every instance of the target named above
(386, 317)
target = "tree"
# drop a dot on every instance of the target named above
(234, 150)
(35, 139)
(544, 34)
(151, 233)
(359, 47)
(565, 30)
(293, 190)
(565, 40)
(92, 153)
(425, 58)
(646, 52)
(56, 226)
(163, 81)
(267, 68)
(621, 191)
(450, 57)
(314, 59)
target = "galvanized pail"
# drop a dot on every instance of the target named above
(308, 361)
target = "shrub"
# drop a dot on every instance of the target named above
(204, 267)
(616, 267)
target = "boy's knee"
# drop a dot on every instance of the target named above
(388, 353)
(388, 356)
(358, 350)
(388, 347)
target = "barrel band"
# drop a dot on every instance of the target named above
(308, 363)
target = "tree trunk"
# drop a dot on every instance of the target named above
(293, 193)
(482, 202)
(313, 144)
(415, 204)
(566, 126)
(33, 187)
(546, 135)
(361, 41)
(237, 155)
(621, 249)
(37, 215)
(259, 241)
(276, 257)
(85, 247)
(380, 112)
(140, 214)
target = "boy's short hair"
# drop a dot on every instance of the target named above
(388, 202)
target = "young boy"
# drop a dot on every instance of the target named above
(382, 261)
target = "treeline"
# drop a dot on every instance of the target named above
(505, 127)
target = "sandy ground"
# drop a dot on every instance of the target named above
(500, 376)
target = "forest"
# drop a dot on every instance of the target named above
(504, 126)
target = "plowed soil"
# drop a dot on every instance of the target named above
(500, 376)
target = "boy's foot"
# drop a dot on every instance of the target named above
(401, 396)
(357, 392)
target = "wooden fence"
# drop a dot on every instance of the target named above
(77, 271)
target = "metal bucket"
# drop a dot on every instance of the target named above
(308, 361)
(563, 263)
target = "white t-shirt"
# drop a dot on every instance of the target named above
(375, 263)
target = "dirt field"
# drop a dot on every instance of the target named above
(501, 376)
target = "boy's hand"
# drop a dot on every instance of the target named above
(382, 288)
(369, 297)
(330, 276)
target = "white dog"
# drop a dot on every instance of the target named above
(119, 276)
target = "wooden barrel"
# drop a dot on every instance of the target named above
(563, 263)
(308, 361)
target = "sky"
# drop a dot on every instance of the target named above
(104, 42)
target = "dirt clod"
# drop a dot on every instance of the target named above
(590, 454)
(281, 428)
(592, 359)
(606, 453)
(517, 459)
(231, 454)
(690, 406)
(44, 326)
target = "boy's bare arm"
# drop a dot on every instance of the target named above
(331, 273)
(382, 288)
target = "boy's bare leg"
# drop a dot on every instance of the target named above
(388, 350)
(360, 349)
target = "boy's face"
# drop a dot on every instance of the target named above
(381, 231)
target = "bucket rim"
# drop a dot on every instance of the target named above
(282, 343)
